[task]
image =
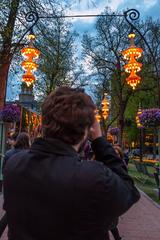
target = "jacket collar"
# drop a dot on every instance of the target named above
(53, 146)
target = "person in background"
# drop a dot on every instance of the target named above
(123, 155)
(126, 157)
(20, 142)
(11, 140)
(49, 193)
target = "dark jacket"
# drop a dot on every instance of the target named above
(50, 194)
(9, 154)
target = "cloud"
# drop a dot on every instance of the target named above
(145, 7)
(97, 7)
(114, 4)
(149, 3)
(153, 11)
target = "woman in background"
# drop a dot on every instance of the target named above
(22, 142)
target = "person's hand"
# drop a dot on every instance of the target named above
(95, 131)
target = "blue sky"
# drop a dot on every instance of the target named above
(81, 25)
(145, 7)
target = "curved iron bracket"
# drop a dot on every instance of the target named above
(131, 15)
(29, 17)
(32, 17)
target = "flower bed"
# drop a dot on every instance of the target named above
(150, 117)
(10, 113)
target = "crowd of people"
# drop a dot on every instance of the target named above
(64, 186)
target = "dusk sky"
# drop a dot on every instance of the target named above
(86, 7)
(81, 25)
(145, 7)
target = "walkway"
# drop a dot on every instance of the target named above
(141, 222)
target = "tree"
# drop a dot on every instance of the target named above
(6, 47)
(105, 51)
(13, 28)
(57, 60)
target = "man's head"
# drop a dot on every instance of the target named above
(67, 114)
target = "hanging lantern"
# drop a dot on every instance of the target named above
(105, 107)
(132, 67)
(31, 35)
(139, 125)
(97, 115)
(133, 80)
(29, 53)
(28, 79)
(29, 66)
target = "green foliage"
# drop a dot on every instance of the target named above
(55, 39)
(57, 60)
(105, 48)
(149, 186)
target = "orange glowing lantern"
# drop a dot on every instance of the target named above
(29, 66)
(132, 67)
(28, 79)
(97, 115)
(139, 125)
(30, 53)
(105, 107)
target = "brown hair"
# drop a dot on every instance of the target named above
(66, 113)
(22, 141)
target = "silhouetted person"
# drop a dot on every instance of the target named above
(49, 193)
(20, 142)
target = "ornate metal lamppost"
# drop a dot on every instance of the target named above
(140, 127)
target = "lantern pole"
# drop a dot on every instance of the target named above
(129, 15)
(133, 14)
(140, 127)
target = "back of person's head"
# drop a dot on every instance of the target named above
(66, 113)
(22, 141)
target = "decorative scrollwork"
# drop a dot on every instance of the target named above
(32, 17)
(131, 15)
